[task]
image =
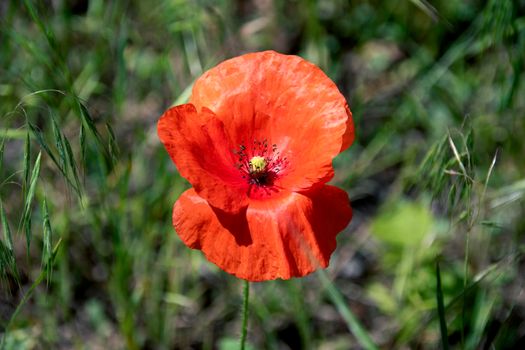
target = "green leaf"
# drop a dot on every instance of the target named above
(403, 223)
(232, 344)
(492, 224)
(383, 297)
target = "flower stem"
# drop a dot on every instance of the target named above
(245, 307)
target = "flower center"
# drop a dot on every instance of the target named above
(257, 164)
(260, 164)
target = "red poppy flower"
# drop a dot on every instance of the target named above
(256, 141)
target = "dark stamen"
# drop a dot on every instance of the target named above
(260, 175)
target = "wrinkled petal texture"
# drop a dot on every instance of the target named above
(285, 100)
(280, 221)
(199, 146)
(287, 236)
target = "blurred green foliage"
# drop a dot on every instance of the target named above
(88, 257)
(403, 223)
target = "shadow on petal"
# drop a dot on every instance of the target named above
(236, 224)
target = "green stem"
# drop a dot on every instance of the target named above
(13, 133)
(245, 307)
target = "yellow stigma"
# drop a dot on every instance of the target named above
(257, 164)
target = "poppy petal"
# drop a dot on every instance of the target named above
(283, 99)
(202, 152)
(287, 236)
(348, 136)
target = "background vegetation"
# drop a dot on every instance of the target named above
(88, 257)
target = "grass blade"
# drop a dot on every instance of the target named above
(489, 173)
(88, 121)
(26, 215)
(441, 310)
(34, 15)
(28, 295)
(1, 153)
(8, 256)
(113, 146)
(13, 134)
(27, 162)
(47, 251)
(5, 263)
(40, 138)
(427, 8)
(72, 165)
(353, 324)
(457, 156)
(8, 238)
(59, 143)
(82, 137)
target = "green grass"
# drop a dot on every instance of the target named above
(436, 174)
